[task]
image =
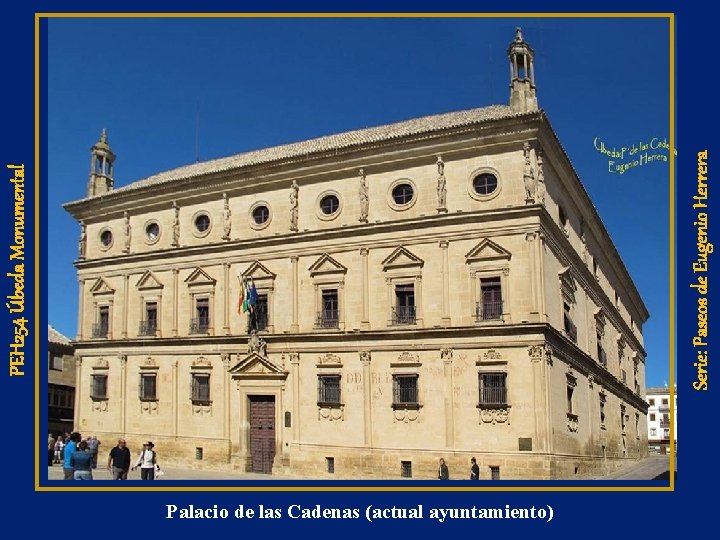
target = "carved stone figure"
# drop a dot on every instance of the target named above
(82, 244)
(226, 217)
(540, 180)
(441, 185)
(257, 345)
(528, 176)
(364, 197)
(128, 233)
(176, 225)
(294, 206)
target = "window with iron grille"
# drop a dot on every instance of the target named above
(493, 388)
(201, 322)
(405, 390)
(148, 326)
(568, 324)
(261, 312)
(328, 389)
(406, 469)
(602, 357)
(102, 326)
(490, 306)
(328, 316)
(330, 464)
(494, 473)
(404, 311)
(148, 387)
(602, 410)
(98, 388)
(200, 388)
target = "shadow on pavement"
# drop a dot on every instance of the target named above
(665, 476)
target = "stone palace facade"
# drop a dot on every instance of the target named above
(438, 287)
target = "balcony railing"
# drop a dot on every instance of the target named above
(664, 423)
(488, 311)
(200, 325)
(147, 328)
(327, 318)
(493, 395)
(100, 330)
(403, 315)
(261, 318)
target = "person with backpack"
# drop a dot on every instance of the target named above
(147, 462)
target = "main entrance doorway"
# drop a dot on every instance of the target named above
(262, 433)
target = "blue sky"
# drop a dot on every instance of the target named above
(264, 82)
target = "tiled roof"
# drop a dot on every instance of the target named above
(416, 126)
(56, 337)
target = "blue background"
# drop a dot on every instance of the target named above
(588, 514)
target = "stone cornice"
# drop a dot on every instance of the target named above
(375, 156)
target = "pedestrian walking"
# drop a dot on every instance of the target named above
(147, 462)
(443, 473)
(474, 469)
(70, 448)
(93, 448)
(119, 461)
(81, 462)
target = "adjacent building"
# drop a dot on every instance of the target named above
(61, 382)
(658, 422)
(438, 287)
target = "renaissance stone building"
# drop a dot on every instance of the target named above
(438, 287)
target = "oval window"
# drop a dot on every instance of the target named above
(485, 183)
(261, 214)
(106, 238)
(329, 204)
(202, 223)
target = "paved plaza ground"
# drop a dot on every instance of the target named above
(651, 468)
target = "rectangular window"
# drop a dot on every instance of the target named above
(261, 312)
(406, 469)
(653, 432)
(405, 390)
(652, 417)
(330, 464)
(624, 377)
(494, 473)
(602, 357)
(328, 316)
(637, 425)
(493, 388)
(329, 389)
(200, 388)
(622, 419)
(201, 323)
(570, 392)
(664, 401)
(98, 388)
(148, 326)
(602, 411)
(102, 326)
(568, 324)
(651, 402)
(490, 306)
(404, 310)
(56, 362)
(148, 387)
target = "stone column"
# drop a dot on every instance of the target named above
(175, 273)
(175, 404)
(126, 292)
(365, 323)
(541, 276)
(78, 392)
(226, 389)
(534, 276)
(446, 283)
(122, 360)
(81, 308)
(294, 261)
(295, 363)
(226, 300)
(447, 355)
(367, 398)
